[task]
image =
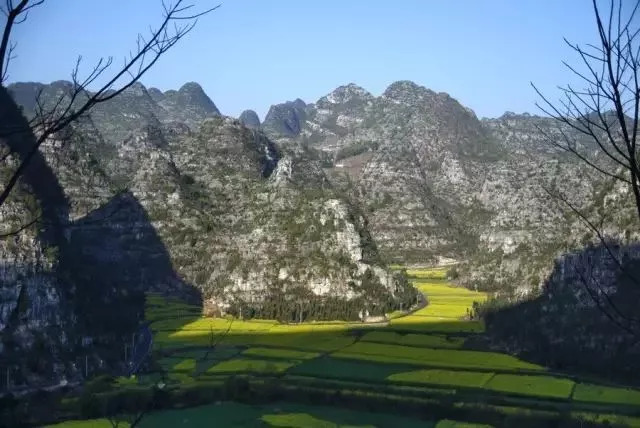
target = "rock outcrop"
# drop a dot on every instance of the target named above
(250, 119)
(286, 119)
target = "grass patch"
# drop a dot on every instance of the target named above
(438, 325)
(301, 420)
(188, 365)
(428, 273)
(433, 357)
(276, 415)
(218, 352)
(605, 394)
(322, 342)
(195, 353)
(447, 423)
(443, 377)
(423, 340)
(280, 353)
(169, 363)
(345, 369)
(538, 386)
(246, 365)
(280, 414)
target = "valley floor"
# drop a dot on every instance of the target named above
(279, 414)
(421, 359)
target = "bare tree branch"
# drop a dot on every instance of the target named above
(70, 107)
(606, 112)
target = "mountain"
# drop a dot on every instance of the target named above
(285, 119)
(189, 105)
(295, 218)
(146, 200)
(435, 181)
(414, 158)
(134, 108)
(250, 119)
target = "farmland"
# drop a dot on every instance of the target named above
(420, 357)
(280, 415)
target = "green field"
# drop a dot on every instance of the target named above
(422, 340)
(443, 377)
(422, 355)
(396, 354)
(275, 415)
(605, 394)
(280, 353)
(537, 386)
(246, 365)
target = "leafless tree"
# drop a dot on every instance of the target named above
(52, 118)
(598, 125)
(607, 109)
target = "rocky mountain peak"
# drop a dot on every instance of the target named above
(346, 94)
(404, 90)
(298, 103)
(191, 93)
(190, 104)
(286, 119)
(137, 89)
(156, 94)
(193, 88)
(250, 119)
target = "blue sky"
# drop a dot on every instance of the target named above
(254, 53)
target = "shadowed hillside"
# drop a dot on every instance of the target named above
(72, 291)
(579, 321)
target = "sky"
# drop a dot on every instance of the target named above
(250, 54)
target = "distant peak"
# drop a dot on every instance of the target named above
(287, 118)
(137, 89)
(192, 87)
(156, 94)
(190, 95)
(299, 103)
(250, 119)
(64, 84)
(404, 87)
(346, 93)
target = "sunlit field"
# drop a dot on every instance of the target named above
(423, 355)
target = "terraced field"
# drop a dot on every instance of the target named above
(422, 355)
(280, 415)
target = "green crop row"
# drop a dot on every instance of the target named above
(433, 357)
(423, 340)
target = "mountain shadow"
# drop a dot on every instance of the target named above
(586, 318)
(73, 295)
(115, 256)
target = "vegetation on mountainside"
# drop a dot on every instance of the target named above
(355, 149)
